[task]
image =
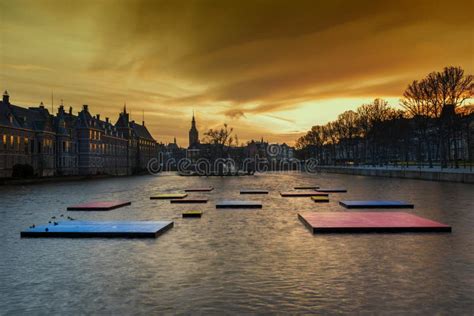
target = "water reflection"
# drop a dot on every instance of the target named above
(237, 261)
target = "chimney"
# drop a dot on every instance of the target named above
(41, 106)
(98, 116)
(6, 97)
(70, 110)
(85, 107)
(107, 119)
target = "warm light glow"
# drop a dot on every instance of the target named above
(267, 68)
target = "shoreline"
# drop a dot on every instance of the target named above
(446, 175)
(33, 181)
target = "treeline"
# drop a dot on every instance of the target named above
(434, 125)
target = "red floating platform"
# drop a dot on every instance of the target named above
(98, 206)
(302, 194)
(369, 222)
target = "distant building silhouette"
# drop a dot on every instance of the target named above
(68, 144)
(193, 134)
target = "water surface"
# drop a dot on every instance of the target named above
(236, 261)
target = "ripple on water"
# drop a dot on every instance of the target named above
(236, 261)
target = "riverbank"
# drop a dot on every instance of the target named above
(431, 174)
(30, 181)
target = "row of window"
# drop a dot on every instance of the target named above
(24, 144)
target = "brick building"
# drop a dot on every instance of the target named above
(68, 144)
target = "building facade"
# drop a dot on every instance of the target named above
(35, 142)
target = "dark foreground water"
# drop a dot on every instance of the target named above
(236, 261)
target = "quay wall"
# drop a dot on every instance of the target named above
(432, 175)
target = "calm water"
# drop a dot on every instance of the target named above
(236, 261)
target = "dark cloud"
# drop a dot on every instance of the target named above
(230, 58)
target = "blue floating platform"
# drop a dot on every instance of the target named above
(306, 187)
(168, 196)
(239, 204)
(189, 201)
(333, 190)
(302, 194)
(105, 229)
(253, 191)
(375, 204)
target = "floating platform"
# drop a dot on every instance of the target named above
(375, 204)
(106, 229)
(253, 191)
(302, 194)
(369, 222)
(335, 190)
(239, 204)
(306, 187)
(188, 201)
(192, 214)
(320, 199)
(207, 189)
(98, 206)
(169, 196)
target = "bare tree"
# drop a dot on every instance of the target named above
(222, 137)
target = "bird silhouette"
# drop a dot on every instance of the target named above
(54, 217)
(55, 223)
(46, 229)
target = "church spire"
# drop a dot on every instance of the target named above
(125, 107)
(193, 133)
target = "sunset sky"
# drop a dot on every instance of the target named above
(267, 68)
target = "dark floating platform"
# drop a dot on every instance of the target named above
(239, 204)
(192, 214)
(169, 196)
(253, 191)
(307, 187)
(375, 204)
(98, 206)
(208, 189)
(369, 222)
(106, 229)
(334, 190)
(188, 201)
(320, 199)
(302, 194)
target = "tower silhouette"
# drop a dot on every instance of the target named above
(193, 133)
